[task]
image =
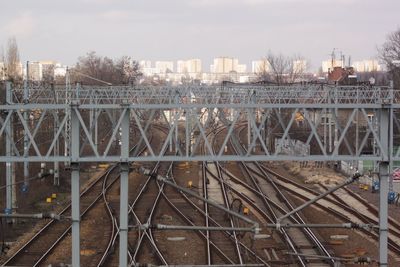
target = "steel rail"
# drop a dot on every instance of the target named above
(131, 210)
(113, 217)
(190, 222)
(393, 245)
(226, 200)
(308, 231)
(50, 223)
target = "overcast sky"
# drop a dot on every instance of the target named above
(182, 29)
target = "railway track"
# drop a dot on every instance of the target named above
(337, 204)
(299, 241)
(361, 212)
(261, 189)
(33, 252)
(39, 247)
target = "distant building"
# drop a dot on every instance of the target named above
(342, 76)
(147, 69)
(48, 69)
(260, 66)
(35, 71)
(299, 66)
(164, 66)
(367, 66)
(60, 71)
(227, 65)
(241, 68)
(329, 65)
(145, 64)
(189, 66)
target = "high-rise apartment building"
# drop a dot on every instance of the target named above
(367, 65)
(260, 66)
(188, 66)
(164, 66)
(35, 71)
(145, 64)
(226, 65)
(299, 66)
(60, 70)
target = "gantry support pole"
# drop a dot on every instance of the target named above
(123, 223)
(68, 123)
(384, 184)
(10, 175)
(56, 180)
(96, 127)
(75, 201)
(26, 139)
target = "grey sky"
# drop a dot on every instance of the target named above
(180, 29)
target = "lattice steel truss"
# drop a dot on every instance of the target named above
(196, 110)
(336, 122)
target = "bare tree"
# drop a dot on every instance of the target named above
(278, 68)
(128, 69)
(2, 64)
(94, 69)
(12, 61)
(262, 71)
(389, 53)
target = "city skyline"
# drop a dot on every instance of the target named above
(222, 69)
(164, 30)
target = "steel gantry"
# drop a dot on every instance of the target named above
(328, 123)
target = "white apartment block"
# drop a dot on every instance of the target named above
(226, 65)
(60, 71)
(189, 66)
(260, 66)
(145, 64)
(164, 66)
(299, 66)
(35, 71)
(367, 65)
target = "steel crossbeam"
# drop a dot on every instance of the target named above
(290, 94)
(288, 121)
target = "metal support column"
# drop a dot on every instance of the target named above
(248, 130)
(384, 185)
(26, 139)
(123, 223)
(96, 127)
(170, 127)
(176, 124)
(56, 180)
(10, 177)
(75, 201)
(67, 128)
